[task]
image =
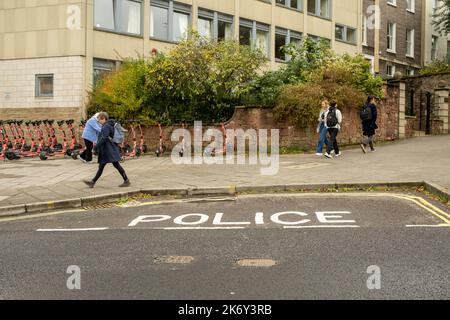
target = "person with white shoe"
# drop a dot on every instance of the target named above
(322, 129)
(333, 122)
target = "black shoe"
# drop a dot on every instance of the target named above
(90, 184)
(125, 184)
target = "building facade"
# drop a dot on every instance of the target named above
(51, 51)
(436, 46)
(392, 36)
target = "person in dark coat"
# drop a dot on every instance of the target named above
(370, 126)
(108, 152)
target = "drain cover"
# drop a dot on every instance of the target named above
(262, 263)
(174, 259)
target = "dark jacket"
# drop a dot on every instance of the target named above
(108, 151)
(369, 126)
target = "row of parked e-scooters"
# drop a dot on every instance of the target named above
(51, 139)
(43, 139)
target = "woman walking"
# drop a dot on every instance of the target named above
(322, 129)
(108, 152)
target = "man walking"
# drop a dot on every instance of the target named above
(369, 116)
(333, 123)
(90, 136)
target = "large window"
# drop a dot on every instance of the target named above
(434, 40)
(214, 25)
(345, 33)
(411, 5)
(44, 85)
(124, 16)
(294, 4)
(321, 8)
(283, 38)
(392, 37)
(169, 20)
(410, 43)
(255, 34)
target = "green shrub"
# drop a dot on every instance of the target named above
(436, 67)
(198, 79)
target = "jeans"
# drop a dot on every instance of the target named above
(116, 165)
(87, 153)
(332, 143)
(322, 138)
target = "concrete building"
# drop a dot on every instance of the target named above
(435, 46)
(51, 51)
(392, 39)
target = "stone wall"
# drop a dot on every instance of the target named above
(438, 86)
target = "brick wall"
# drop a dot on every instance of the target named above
(291, 136)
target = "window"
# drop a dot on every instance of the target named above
(345, 33)
(44, 85)
(245, 33)
(214, 25)
(294, 4)
(364, 31)
(411, 5)
(321, 8)
(254, 34)
(435, 6)
(284, 37)
(410, 72)
(434, 40)
(204, 26)
(390, 70)
(410, 43)
(391, 37)
(281, 40)
(169, 20)
(180, 26)
(225, 29)
(159, 23)
(102, 68)
(124, 16)
(104, 14)
(392, 2)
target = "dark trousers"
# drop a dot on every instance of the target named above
(87, 153)
(369, 141)
(332, 142)
(101, 167)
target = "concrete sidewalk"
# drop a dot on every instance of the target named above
(419, 159)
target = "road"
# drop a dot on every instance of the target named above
(284, 246)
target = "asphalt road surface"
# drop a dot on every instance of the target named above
(332, 246)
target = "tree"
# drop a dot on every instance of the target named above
(442, 18)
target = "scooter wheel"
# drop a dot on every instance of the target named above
(43, 156)
(74, 155)
(69, 152)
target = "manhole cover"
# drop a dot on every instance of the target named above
(263, 263)
(174, 259)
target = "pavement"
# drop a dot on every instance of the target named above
(34, 181)
(257, 247)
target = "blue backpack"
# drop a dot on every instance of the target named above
(119, 134)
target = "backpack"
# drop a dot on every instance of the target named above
(366, 113)
(119, 134)
(332, 119)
